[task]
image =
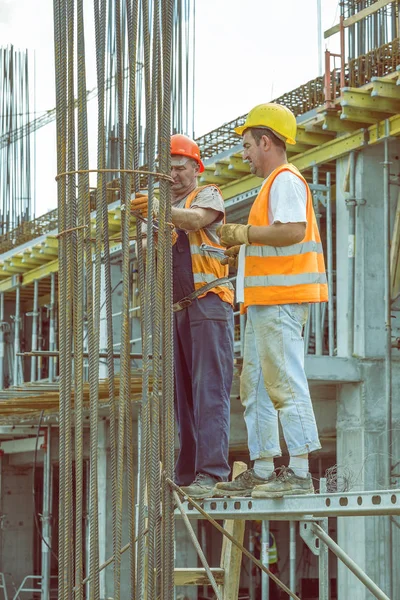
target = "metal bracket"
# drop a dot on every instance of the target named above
(309, 537)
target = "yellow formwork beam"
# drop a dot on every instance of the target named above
(364, 101)
(239, 186)
(385, 88)
(335, 123)
(40, 272)
(113, 225)
(43, 258)
(14, 265)
(47, 250)
(50, 242)
(208, 176)
(358, 115)
(32, 260)
(30, 276)
(223, 170)
(236, 164)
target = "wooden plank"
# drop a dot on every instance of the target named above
(198, 576)
(231, 556)
(362, 14)
(395, 254)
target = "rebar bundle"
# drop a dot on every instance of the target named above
(16, 190)
(138, 45)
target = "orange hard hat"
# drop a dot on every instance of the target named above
(182, 145)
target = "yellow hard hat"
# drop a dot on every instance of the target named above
(273, 116)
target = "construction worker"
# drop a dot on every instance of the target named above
(280, 271)
(203, 324)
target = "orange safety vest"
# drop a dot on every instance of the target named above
(288, 274)
(206, 266)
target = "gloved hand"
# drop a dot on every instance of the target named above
(232, 256)
(141, 204)
(233, 234)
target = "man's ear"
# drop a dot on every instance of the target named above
(267, 142)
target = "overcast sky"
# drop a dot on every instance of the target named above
(247, 52)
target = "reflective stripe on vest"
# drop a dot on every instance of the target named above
(285, 280)
(203, 278)
(289, 274)
(301, 248)
(206, 265)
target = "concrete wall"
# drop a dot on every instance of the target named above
(16, 557)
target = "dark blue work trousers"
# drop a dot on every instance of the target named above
(203, 360)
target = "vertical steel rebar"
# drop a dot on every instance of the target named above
(79, 308)
(168, 344)
(68, 257)
(60, 84)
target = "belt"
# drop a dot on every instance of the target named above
(187, 300)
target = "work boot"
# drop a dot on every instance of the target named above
(286, 483)
(241, 486)
(202, 487)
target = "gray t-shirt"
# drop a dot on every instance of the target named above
(209, 197)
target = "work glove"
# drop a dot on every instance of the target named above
(231, 257)
(233, 234)
(140, 204)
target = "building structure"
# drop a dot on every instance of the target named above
(348, 147)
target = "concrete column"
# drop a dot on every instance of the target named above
(362, 428)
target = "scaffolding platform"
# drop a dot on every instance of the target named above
(294, 508)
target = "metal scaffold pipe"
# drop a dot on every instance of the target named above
(351, 203)
(2, 344)
(46, 517)
(52, 326)
(35, 327)
(350, 564)
(17, 333)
